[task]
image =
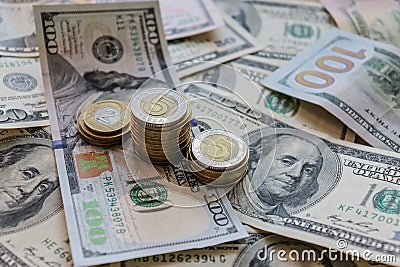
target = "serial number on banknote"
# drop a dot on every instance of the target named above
(368, 214)
(114, 205)
(20, 63)
(222, 117)
(183, 257)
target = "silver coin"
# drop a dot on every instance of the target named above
(219, 149)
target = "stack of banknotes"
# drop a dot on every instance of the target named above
(312, 87)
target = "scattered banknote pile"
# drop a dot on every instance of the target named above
(103, 123)
(320, 74)
(160, 125)
(303, 111)
(218, 157)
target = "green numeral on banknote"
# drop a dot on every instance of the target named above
(94, 218)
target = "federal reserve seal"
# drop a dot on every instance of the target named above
(281, 104)
(387, 201)
(299, 30)
(20, 82)
(148, 194)
(107, 49)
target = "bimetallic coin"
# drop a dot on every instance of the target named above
(160, 125)
(219, 149)
(106, 117)
(159, 107)
(217, 177)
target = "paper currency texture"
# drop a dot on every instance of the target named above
(354, 78)
(378, 20)
(32, 222)
(220, 45)
(308, 192)
(22, 102)
(113, 213)
(284, 28)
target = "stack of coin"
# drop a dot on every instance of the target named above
(160, 125)
(218, 157)
(103, 123)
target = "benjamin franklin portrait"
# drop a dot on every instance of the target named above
(289, 170)
(29, 188)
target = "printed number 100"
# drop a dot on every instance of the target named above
(345, 66)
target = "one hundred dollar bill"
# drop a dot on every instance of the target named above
(220, 45)
(107, 51)
(22, 102)
(375, 19)
(17, 27)
(228, 81)
(32, 223)
(354, 78)
(302, 186)
(259, 249)
(107, 57)
(284, 28)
